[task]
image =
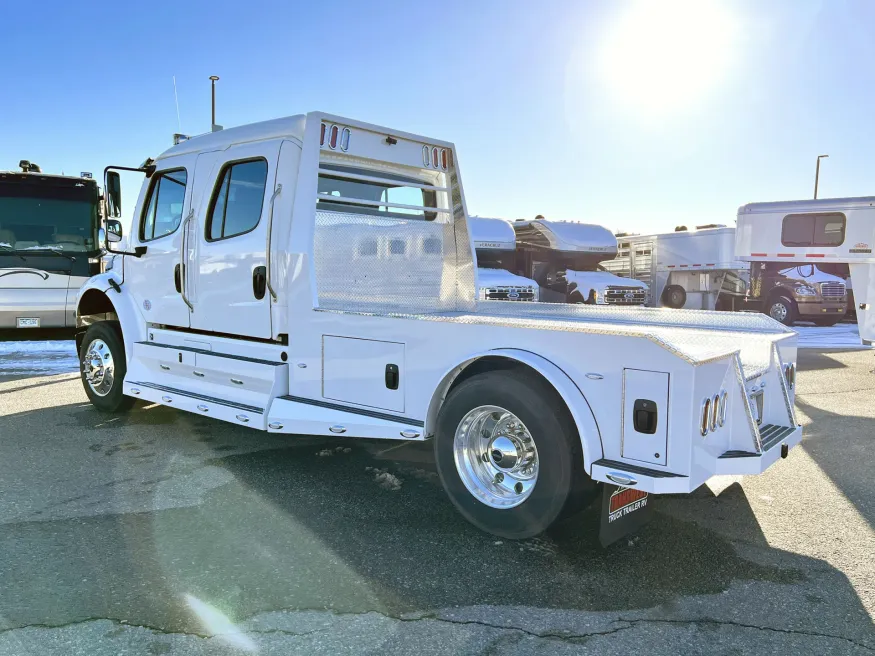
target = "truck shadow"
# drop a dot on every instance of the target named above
(354, 526)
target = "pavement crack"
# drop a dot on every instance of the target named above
(549, 635)
(742, 625)
(121, 623)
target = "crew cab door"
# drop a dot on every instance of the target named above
(229, 256)
(154, 279)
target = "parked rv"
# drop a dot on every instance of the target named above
(564, 258)
(832, 231)
(239, 296)
(49, 246)
(495, 247)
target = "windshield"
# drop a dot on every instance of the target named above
(488, 258)
(44, 216)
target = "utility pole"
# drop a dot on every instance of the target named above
(213, 126)
(817, 174)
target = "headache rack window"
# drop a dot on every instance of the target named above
(375, 193)
(825, 229)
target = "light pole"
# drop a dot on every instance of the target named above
(213, 125)
(817, 174)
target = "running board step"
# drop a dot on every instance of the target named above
(298, 415)
(244, 381)
(236, 413)
(624, 474)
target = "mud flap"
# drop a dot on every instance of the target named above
(624, 511)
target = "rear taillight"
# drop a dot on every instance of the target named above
(426, 158)
(322, 136)
(344, 139)
(434, 156)
(332, 137)
(444, 159)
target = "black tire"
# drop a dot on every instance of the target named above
(112, 401)
(826, 322)
(783, 309)
(562, 487)
(674, 296)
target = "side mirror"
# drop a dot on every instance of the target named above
(113, 230)
(113, 194)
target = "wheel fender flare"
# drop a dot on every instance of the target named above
(131, 319)
(577, 404)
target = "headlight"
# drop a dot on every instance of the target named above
(805, 290)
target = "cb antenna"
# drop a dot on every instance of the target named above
(176, 98)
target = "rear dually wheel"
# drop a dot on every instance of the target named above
(508, 454)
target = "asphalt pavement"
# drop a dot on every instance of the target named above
(159, 532)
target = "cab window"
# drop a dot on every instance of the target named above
(825, 229)
(237, 199)
(163, 212)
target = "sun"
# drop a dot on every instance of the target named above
(665, 55)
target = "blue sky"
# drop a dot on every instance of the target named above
(638, 115)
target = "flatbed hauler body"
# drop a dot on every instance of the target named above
(260, 303)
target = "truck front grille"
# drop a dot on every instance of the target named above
(625, 295)
(832, 289)
(510, 294)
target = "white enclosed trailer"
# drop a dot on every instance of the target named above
(822, 231)
(564, 258)
(494, 243)
(685, 268)
(241, 298)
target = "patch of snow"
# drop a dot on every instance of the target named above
(39, 358)
(3, 243)
(843, 335)
(325, 452)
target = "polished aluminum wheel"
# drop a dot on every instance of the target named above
(496, 456)
(99, 367)
(778, 311)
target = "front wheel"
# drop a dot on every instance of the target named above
(509, 456)
(103, 365)
(782, 309)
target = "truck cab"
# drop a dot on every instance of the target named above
(565, 258)
(495, 247)
(49, 247)
(316, 275)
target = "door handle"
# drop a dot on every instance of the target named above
(183, 255)
(177, 279)
(392, 376)
(259, 282)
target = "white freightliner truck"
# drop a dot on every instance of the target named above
(49, 247)
(494, 244)
(239, 297)
(564, 258)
